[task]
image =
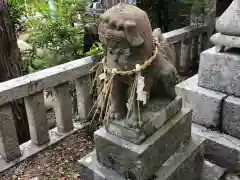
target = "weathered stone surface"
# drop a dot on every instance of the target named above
(63, 108)
(37, 118)
(212, 171)
(231, 176)
(9, 147)
(90, 169)
(226, 40)
(185, 164)
(155, 115)
(231, 116)
(221, 149)
(35, 82)
(84, 99)
(143, 160)
(229, 22)
(205, 103)
(29, 149)
(220, 71)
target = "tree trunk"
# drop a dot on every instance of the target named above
(10, 67)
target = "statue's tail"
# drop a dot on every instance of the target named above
(157, 35)
(167, 49)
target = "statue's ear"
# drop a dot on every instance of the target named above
(133, 37)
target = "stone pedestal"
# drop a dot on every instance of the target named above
(220, 71)
(157, 113)
(206, 103)
(214, 96)
(170, 153)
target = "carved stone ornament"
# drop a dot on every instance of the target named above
(228, 27)
(137, 74)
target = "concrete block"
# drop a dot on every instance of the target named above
(212, 171)
(221, 149)
(205, 103)
(185, 164)
(145, 159)
(220, 71)
(231, 116)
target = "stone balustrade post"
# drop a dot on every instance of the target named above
(84, 99)
(178, 50)
(9, 147)
(186, 49)
(37, 118)
(63, 107)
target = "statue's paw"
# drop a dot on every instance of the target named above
(133, 121)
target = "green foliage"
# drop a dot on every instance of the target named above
(96, 49)
(172, 14)
(16, 11)
(55, 40)
(199, 8)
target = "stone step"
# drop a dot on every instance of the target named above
(144, 159)
(212, 171)
(185, 164)
(221, 149)
(206, 104)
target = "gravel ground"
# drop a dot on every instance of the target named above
(54, 163)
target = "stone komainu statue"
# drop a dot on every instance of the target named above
(128, 40)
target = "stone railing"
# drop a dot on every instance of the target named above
(189, 42)
(31, 87)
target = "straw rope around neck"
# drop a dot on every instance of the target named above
(104, 86)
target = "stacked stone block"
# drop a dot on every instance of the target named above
(214, 95)
(171, 153)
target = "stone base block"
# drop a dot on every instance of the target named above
(231, 116)
(185, 164)
(142, 161)
(220, 71)
(212, 171)
(157, 113)
(90, 169)
(221, 149)
(205, 103)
